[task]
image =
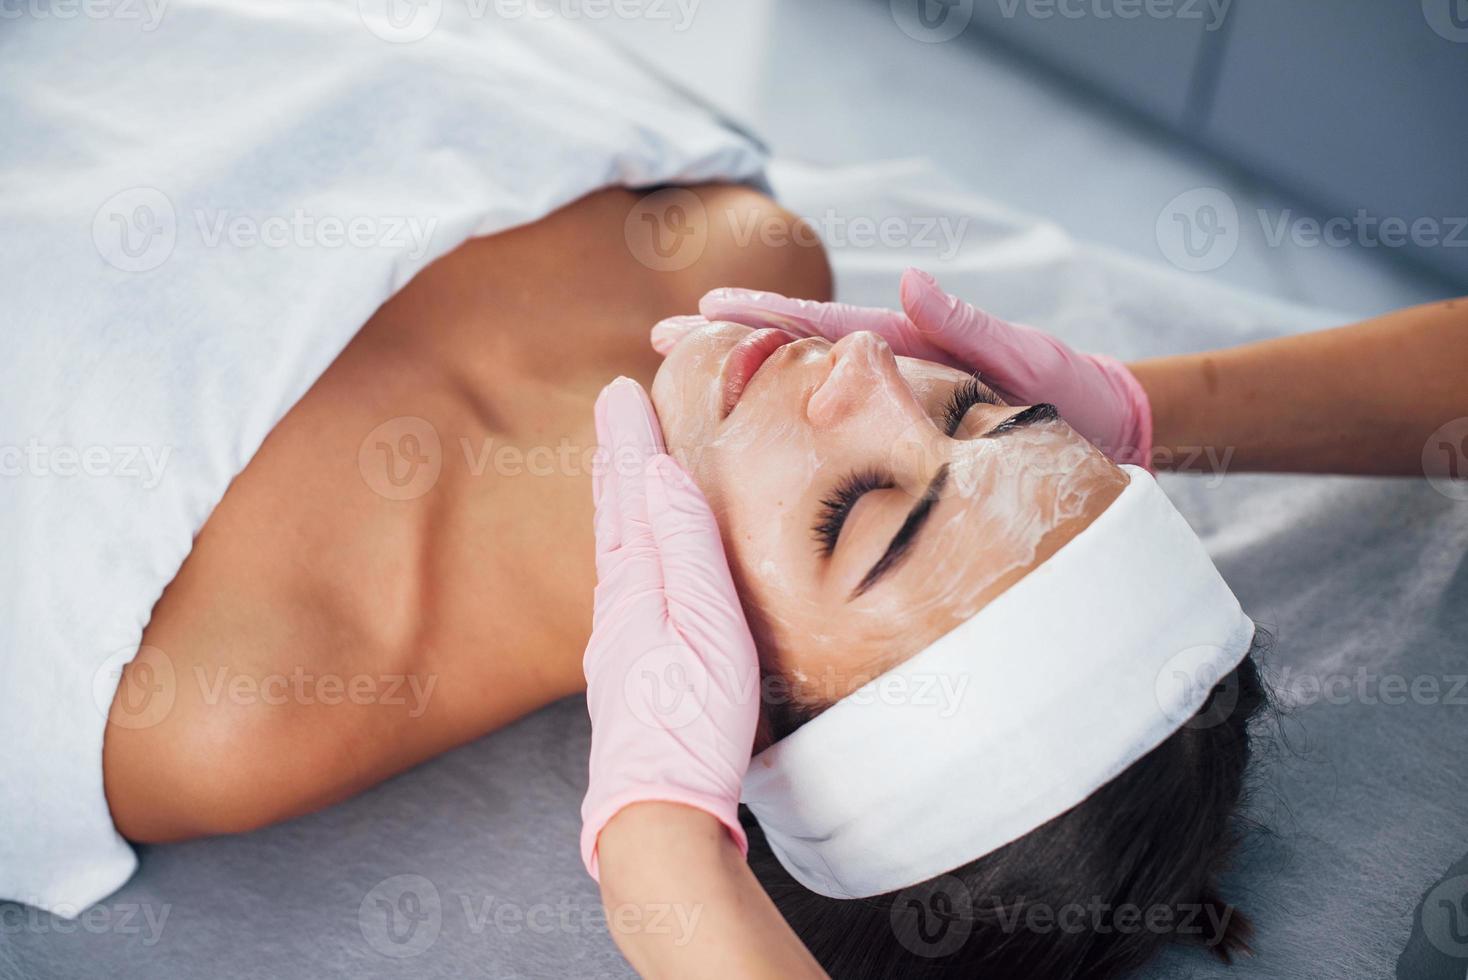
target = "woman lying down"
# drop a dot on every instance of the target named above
(918, 606)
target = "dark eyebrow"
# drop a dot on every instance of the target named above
(901, 543)
(1043, 412)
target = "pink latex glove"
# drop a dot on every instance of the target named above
(1096, 394)
(672, 678)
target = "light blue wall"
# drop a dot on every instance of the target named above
(1349, 104)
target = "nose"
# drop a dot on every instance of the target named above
(863, 374)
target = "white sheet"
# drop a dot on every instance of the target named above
(185, 249)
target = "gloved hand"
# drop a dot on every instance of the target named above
(1096, 394)
(672, 677)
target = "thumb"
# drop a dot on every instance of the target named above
(973, 339)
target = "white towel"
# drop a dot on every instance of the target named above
(176, 184)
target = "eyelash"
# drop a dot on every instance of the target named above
(837, 507)
(966, 394)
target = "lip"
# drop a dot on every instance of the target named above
(744, 361)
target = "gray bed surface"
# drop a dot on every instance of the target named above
(1367, 806)
(468, 865)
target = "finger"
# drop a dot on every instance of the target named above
(628, 433)
(966, 336)
(667, 333)
(606, 490)
(804, 318)
(701, 597)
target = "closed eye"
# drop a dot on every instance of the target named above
(837, 507)
(965, 395)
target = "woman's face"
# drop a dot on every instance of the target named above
(869, 503)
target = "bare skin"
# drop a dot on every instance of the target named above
(322, 637)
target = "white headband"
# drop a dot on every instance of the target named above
(1050, 691)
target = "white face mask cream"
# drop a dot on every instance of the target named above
(1059, 683)
(810, 420)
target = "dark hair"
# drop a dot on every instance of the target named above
(1093, 893)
